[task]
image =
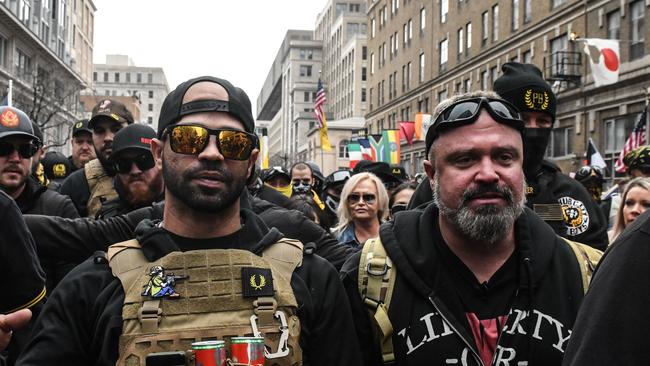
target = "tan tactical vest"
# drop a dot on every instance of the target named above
(100, 186)
(210, 304)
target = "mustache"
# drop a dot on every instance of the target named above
(15, 168)
(492, 188)
(210, 167)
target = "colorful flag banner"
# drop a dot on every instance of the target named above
(366, 152)
(636, 139)
(422, 123)
(264, 149)
(593, 156)
(376, 147)
(354, 152)
(407, 131)
(391, 146)
(320, 117)
(605, 59)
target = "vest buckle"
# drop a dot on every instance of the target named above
(283, 344)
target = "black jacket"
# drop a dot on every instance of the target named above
(78, 239)
(38, 200)
(550, 186)
(76, 187)
(612, 325)
(81, 322)
(424, 294)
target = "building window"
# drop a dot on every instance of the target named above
(106, 77)
(556, 3)
(410, 30)
(138, 78)
(23, 65)
(107, 93)
(444, 56)
(444, 10)
(484, 80)
(363, 74)
(95, 76)
(306, 97)
(406, 34)
(305, 70)
(396, 42)
(394, 6)
(637, 29)
(442, 95)
(150, 120)
(484, 28)
(460, 42)
(528, 10)
(614, 25)
(364, 53)
(467, 86)
(421, 74)
(527, 57)
(558, 44)
(149, 78)
(515, 15)
(150, 107)
(616, 133)
(117, 77)
(150, 94)
(408, 76)
(24, 10)
(468, 35)
(494, 73)
(423, 19)
(363, 95)
(372, 64)
(372, 28)
(128, 77)
(495, 23)
(561, 142)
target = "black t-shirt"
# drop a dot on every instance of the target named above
(483, 307)
(21, 276)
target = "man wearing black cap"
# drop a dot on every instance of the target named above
(93, 185)
(380, 169)
(561, 201)
(138, 181)
(231, 274)
(475, 277)
(56, 168)
(82, 145)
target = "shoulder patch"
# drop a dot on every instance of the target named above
(256, 282)
(575, 215)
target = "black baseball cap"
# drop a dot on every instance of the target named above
(273, 172)
(399, 172)
(14, 122)
(80, 127)
(378, 168)
(133, 137)
(56, 166)
(238, 104)
(112, 109)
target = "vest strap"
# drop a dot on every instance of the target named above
(149, 315)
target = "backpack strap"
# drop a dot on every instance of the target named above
(588, 258)
(376, 282)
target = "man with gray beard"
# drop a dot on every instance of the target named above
(475, 277)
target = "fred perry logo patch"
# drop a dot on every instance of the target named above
(256, 282)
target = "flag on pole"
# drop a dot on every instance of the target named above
(593, 156)
(366, 152)
(354, 152)
(422, 123)
(320, 117)
(391, 146)
(636, 139)
(407, 131)
(264, 142)
(376, 147)
(604, 57)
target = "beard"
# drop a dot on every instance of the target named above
(180, 184)
(487, 223)
(11, 185)
(139, 195)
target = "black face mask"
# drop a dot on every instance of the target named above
(535, 142)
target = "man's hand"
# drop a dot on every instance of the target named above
(11, 322)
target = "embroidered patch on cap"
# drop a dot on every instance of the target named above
(256, 282)
(9, 118)
(536, 99)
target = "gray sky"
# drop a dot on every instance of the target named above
(236, 40)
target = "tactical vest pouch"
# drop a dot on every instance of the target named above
(100, 186)
(210, 304)
(588, 259)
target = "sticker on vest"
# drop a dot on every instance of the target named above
(575, 215)
(161, 284)
(256, 282)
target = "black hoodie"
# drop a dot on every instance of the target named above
(539, 322)
(81, 322)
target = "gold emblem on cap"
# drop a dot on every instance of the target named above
(9, 118)
(79, 124)
(536, 100)
(115, 116)
(59, 170)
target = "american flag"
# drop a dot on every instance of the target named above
(318, 108)
(636, 139)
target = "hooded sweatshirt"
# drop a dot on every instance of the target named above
(441, 315)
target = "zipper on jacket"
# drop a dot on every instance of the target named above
(474, 353)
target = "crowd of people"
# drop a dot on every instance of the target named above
(144, 242)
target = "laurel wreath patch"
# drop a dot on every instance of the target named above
(528, 100)
(259, 286)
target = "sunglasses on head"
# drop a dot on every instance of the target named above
(193, 139)
(585, 171)
(466, 111)
(144, 162)
(356, 198)
(26, 149)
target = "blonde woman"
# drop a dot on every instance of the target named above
(363, 207)
(634, 202)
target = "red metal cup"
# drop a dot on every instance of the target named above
(247, 350)
(209, 353)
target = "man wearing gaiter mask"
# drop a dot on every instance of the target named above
(559, 200)
(303, 181)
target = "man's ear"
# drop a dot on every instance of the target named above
(430, 170)
(252, 160)
(157, 147)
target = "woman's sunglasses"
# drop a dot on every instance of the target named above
(354, 198)
(193, 139)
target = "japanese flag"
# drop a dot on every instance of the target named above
(605, 59)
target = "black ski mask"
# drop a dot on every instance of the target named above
(535, 143)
